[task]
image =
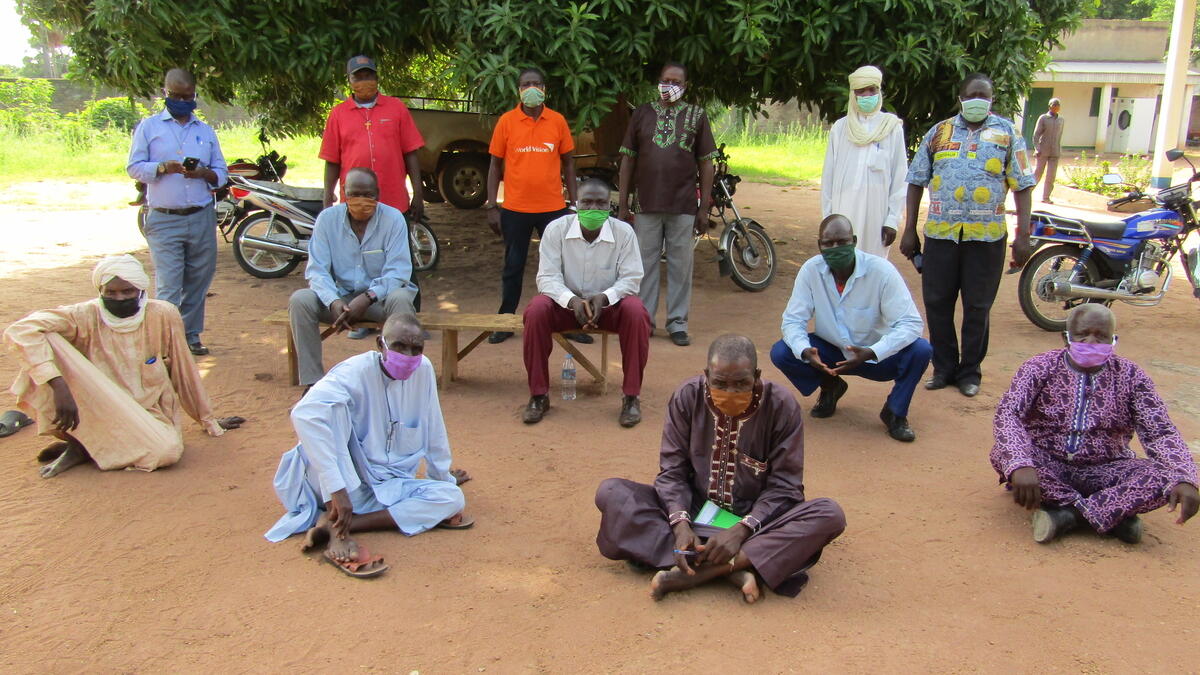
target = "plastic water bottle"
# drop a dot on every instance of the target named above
(568, 379)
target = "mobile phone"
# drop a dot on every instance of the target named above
(190, 163)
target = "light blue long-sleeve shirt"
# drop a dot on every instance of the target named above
(340, 265)
(875, 310)
(160, 139)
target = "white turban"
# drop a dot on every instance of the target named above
(125, 266)
(856, 131)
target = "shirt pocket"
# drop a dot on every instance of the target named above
(373, 263)
(409, 439)
(153, 373)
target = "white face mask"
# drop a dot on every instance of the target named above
(670, 93)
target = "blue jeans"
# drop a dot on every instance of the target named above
(184, 251)
(904, 368)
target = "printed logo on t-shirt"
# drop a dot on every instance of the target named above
(534, 148)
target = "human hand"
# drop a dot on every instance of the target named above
(416, 211)
(357, 307)
(723, 546)
(888, 234)
(1026, 489)
(493, 219)
(66, 412)
(814, 359)
(861, 356)
(581, 308)
(230, 422)
(341, 512)
(1185, 496)
(171, 166)
(909, 242)
(201, 172)
(685, 540)
(1020, 250)
(329, 199)
(596, 304)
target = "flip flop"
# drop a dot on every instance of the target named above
(464, 522)
(352, 568)
(13, 421)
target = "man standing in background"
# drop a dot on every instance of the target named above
(1047, 145)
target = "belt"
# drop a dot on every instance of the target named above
(180, 212)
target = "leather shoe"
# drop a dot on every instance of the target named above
(1128, 530)
(827, 401)
(197, 349)
(536, 409)
(681, 338)
(968, 388)
(498, 336)
(937, 382)
(1051, 522)
(581, 338)
(897, 427)
(631, 411)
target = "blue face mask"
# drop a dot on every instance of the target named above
(976, 109)
(179, 108)
(868, 104)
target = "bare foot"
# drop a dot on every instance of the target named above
(669, 581)
(748, 583)
(73, 455)
(317, 535)
(52, 452)
(460, 475)
(342, 550)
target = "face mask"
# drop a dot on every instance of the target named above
(592, 219)
(122, 309)
(1089, 354)
(975, 109)
(868, 104)
(533, 96)
(365, 90)
(179, 108)
(670, 92)
(839, 257)
(400, 366)
(361, 208)
(731, 403)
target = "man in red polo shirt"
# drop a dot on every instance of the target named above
(531, 152)
(374, 131)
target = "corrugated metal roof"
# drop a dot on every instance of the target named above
(1109, 72)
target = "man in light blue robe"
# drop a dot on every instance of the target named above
(364, 430)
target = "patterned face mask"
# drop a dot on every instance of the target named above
(670, 93)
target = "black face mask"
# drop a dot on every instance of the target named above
(122, 309)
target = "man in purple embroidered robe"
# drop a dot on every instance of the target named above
(1062, 438)
(737, 442)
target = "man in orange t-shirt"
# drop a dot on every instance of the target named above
(376, 132)
(531, 152)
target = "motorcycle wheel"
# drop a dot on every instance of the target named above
(256, 261)
(751, 256)
(424, 245)
(1046, 266)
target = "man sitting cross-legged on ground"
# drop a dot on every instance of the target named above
(1063, 431)
(865, 323)
(364, 430)
(735, 442)
(588, 276)
(108, 376)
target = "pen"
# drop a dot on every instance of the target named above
(681, 552)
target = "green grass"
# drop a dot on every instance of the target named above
(787, 157)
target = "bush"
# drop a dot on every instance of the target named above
(113, 113)
(1088, 174)
(25, 105)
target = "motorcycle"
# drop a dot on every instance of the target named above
(1076, 261)
(272, 239)
(744, 251)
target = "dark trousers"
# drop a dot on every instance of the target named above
(517, 229)
(628, 319)
(905, 368)
(970, 269)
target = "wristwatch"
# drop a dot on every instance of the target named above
(371, 294)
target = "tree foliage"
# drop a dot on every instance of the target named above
(283, 58)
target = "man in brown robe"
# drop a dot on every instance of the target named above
(735, 441)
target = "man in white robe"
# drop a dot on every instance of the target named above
(364, 430)
(865, 165)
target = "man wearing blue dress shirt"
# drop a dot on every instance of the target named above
(865, 324)
(179, 159)
(358, 269)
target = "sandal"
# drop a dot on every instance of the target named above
(13, 421)
(457, 521)
(356, 568)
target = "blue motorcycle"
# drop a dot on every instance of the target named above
(1106, 260)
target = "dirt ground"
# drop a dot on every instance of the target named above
(169, 572)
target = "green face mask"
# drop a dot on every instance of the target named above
(532, 96)
(839, 257)
(592, 219)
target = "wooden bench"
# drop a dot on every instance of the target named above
(450, 323)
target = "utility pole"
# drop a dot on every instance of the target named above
(1171, 110)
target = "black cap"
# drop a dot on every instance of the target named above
(360, 62)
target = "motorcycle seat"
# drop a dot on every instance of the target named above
(1101, 228)
(311, 207)
(1098, 227)
(291, 191)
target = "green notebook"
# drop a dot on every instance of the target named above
(711, 514)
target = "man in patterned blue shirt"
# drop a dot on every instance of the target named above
(969, 163)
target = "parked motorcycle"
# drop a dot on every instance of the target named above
(1103, 260)
(744, 250)
(272, 239)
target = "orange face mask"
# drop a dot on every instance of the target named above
(361, 208)
(731, 403)
(365, 90)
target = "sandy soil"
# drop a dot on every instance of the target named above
(133, 572)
